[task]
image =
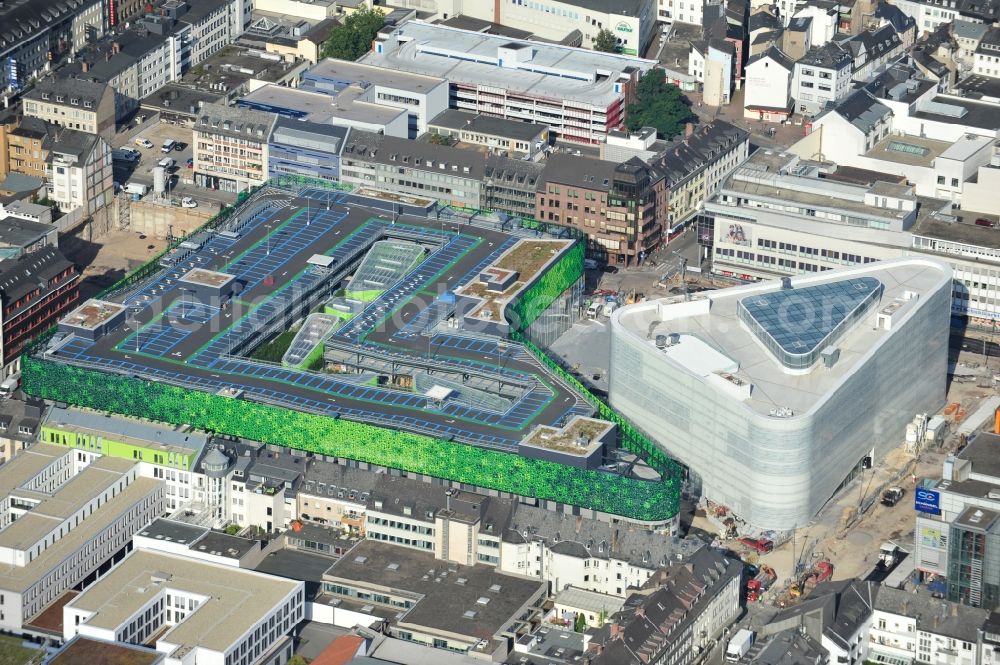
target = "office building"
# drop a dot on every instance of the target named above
(581, 95)
(421, 97)
(347, 110)
(460, 608)
(812, 371)
(230, 146)
(60, 520)
(194, 611)
(36, 290)
(957, 524)
(840, 217)
(422, 170)
(513, 138)
(163, 453)
(308, 149)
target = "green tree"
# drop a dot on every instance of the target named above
(658, 104)
(351, 39)
(580, 624)
(606, 41)
(297, 660)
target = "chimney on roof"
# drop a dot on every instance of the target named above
(116, 47)
(688, 129)
(616, 631)
(85, 66)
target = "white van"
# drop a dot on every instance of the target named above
(9, 385)
(167, 146)
(593, 310)
(609, 308)
(166, 162)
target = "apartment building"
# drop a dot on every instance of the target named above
(194, 611)
(19, 423)
(821, 76)
(230, 146)
(509, 185)
(335, 495)
(580, 95)
(72, 103)
(28, 146)
(423, 170)
(621, 207)
(696, 164)
(158, 48)
(36, 290)
(60, 520)
(930, 14)
(914, 627)
(680, 612)
(768, 94)
(80, 174)
(986, 59)
(34, 33)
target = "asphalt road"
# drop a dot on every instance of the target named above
(271, 245)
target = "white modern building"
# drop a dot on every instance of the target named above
(580, 94)
(775, 394)
(197, 612)
(61, 518)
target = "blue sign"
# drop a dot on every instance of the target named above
(12, 78)
(927, 501)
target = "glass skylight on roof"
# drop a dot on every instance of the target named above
(795, 325)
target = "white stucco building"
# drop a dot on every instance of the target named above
(774, 394)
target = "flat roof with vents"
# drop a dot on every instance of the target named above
(732, 339)
(476, 602)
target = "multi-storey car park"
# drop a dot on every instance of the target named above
(414, 353)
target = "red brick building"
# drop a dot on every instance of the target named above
(36, 290)
(621, 207)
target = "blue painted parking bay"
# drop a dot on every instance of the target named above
(267, 246)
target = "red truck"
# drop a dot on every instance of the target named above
(762, 545)
(760, 583)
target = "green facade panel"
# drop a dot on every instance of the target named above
(505, 472)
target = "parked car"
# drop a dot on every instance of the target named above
(190, 162)
(610, 269)
(188, 202)
(144, 143)
(982, 221)
(180, 145)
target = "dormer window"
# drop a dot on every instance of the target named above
(74, 100)
(60, 98)
(88, 104)
(46, 96)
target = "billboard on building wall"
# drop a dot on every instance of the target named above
(926, 500)
(12, 78)
(737, 234)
